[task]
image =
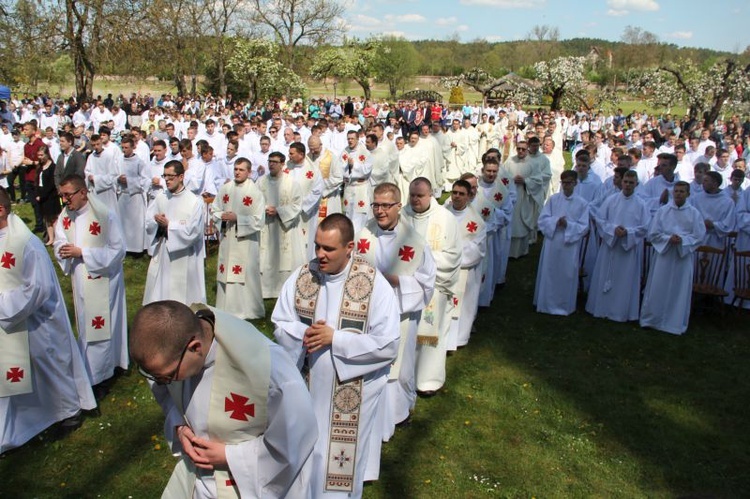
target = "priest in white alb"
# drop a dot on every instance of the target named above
(37, 389)
(102, 171)
(133, 184)
(530, 191)
(337, 317)
(240, 211)
(89, 247)
(174, 231)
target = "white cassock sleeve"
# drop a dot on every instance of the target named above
(577, 227)
(289, 331)
(414, 292)
(268, 465)
(473, 251)
(288, 213)
(183, 236)
(311, 201)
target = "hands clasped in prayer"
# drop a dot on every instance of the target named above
(205, 454)
(318, 336)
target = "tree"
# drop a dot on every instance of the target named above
(634, 35)
(221, 17)
(543, 33)
(256, 63)
(510, 86)
(395, 63)
(726, 82)
(27, 41)
(354, 60)
(562, 79)
(292, 22)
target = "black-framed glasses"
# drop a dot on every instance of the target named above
(166, 380)
(69, 195)
(169, 176)
(382, 206)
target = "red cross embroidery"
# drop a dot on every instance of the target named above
(221, 268)
(97, 322)
(237, 269)
(361, 158)
(472, 226)
(406, 253)
(498, 196)
(309, 174)
(247, 200)
(14, 374)
(66, 223)
(230, 482)
(505, 181)
(95, 229)
(239, 407)
(455, 301)
(344, 157)
(225, 198)
(286, 170)
(485, 212)
(361, 204)
(8, 260)
(363, 245)
(346, 202)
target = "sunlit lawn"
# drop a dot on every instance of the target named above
(534, 406)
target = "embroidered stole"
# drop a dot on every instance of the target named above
(243, 200)
(15, 357)
(485, 202)
(406, 262)
(347, 397)
(325, 170)
(95, 289)
(238, 408)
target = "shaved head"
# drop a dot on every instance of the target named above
(160, 329)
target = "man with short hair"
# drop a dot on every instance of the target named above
(473, 238)
(348, 342)
(237, 411)
(101, 173)
(564, 222)
(90, 248)
(439, 228)
(240, 209)
(282, 243)
(412, 162)
(717, 210)
(658, 191)
(133, 184)
(45, 377)
(622, 223)
(174, 233)
(403, 257)
(332, 174)
(676, 231)
(70, 161)
(357, 165)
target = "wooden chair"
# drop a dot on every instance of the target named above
(741, 287)
(708, 274)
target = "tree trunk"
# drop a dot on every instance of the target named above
(392, 90)
(557, 96)
(365, 84)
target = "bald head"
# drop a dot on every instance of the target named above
(161, 329)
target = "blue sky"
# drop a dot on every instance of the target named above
(725, 26)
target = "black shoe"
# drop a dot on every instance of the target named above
(426, 393)
(71, 424)
(405, 423)
(100, 391)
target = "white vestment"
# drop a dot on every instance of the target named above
(238, 288)
(273, 464)
(615, 289)
(350, 356)
(529, 202)
(557, 276)
(104, 169)
(104, 260)
(720, 209)
(282, 244)
(440, 229)
(131, 202)
(357, 185)
(176, 270)
(412, 164)
(61, 386)
(669, 288)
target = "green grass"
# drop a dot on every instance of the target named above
(534, 406)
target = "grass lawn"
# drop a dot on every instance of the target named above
(534, 406)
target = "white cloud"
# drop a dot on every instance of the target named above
(494, 38)
(395, 34)
(446, 21)
(359, 19)
(462, 27)
(682, 35)
(617, 13)
(642, 5)
(507, 4)
(406, 18)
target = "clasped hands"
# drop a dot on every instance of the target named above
(317, 336)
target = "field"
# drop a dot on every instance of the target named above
(534, 406)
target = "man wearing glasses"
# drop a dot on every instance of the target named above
(90, 248)
(34, 322)
(236, 408)
(402, 256)
(174, 235)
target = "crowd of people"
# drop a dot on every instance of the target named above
(333, 210)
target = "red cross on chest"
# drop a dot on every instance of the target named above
(14, 375)
(238, 406)
(363, 246)
(472, 226)
(97, 322)
(237, 269)
(309, 174)
(8, 260)
(95, 229)
(225, 199)
(247, 200)
(406, 253)
(66, 223)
